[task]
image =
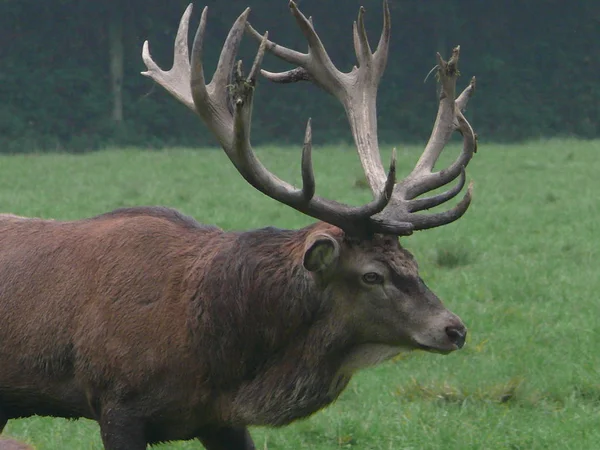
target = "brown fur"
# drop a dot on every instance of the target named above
(164, 329)
(11, 444)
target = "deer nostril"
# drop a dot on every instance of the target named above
(457, 335)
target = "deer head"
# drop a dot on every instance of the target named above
(225, 106)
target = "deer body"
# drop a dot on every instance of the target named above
(161, 328)
(89, 320)
(185, 327)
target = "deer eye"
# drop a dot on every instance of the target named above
(372, 278)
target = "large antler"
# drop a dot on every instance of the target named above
(211, 102)
(357, 91)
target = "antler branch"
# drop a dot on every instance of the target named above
(185, 81)
(357, 91)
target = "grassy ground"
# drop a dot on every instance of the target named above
(521, 268)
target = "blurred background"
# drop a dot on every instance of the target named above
(69, 70)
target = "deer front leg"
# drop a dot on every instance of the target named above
(228, 438)
(121, 431)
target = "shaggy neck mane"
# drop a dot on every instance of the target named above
(259, 303)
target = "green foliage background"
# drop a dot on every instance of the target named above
(536, 64)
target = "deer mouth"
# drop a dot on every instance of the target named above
(441, 350)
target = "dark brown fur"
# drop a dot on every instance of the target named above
(164, 329)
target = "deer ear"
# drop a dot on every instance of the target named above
(321, 254)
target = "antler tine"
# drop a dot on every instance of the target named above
(289, 76)
(212, 100)
(414, 186)
(315, 45)
(361, 41)
(465, 96)
(197, 81)
(175, 79)
(420, 204)
(422, 179)
(364, 55)
(415, 222)
(424, 222)
(308, 176)
(288, 55)
(316, 65)
(381, 52)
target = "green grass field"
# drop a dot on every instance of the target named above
(520, 268)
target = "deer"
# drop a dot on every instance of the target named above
(161, 328)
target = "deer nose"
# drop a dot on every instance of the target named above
(457, 335)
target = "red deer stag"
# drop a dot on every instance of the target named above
(161, 328)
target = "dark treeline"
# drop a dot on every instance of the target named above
(69, 69)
